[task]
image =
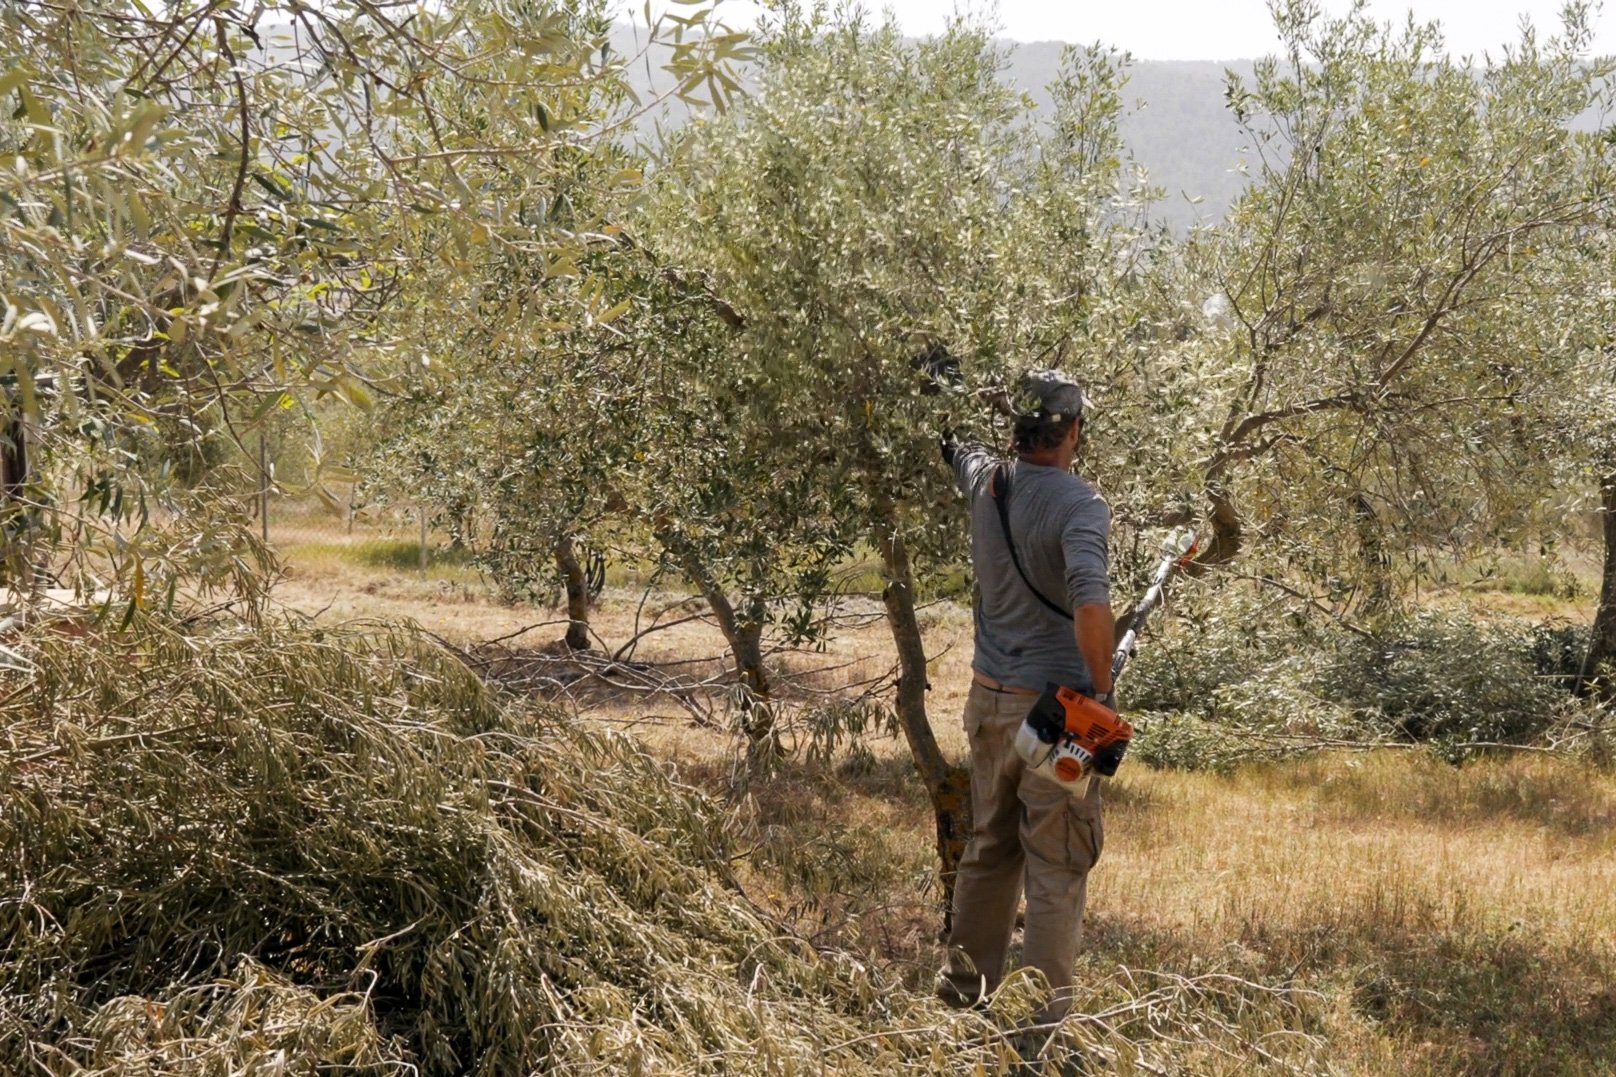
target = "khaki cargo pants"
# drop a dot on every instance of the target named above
(1026, 831)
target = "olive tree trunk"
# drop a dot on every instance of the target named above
(1596, 677)
(577, 588)
(948, 786)
(745, 639)
(744, 636)
(1373, 558)
(19, 520)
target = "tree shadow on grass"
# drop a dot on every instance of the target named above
(846, 862)
(1502, 1003)
(1493, 1002)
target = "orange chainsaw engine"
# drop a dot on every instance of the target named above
(1067, 735)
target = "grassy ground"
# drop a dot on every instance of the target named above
(1455, 920)
(1451, 920)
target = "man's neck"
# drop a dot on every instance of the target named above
(1048, 458)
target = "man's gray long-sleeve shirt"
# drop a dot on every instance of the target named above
(1059, 524)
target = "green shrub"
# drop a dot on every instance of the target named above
(1178, 741)
(1447, 677)
(1243, 665)
(1211, 642)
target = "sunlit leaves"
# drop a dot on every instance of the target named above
(1388, 290)
(205, 208)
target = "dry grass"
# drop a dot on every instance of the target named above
(1468, 916)
(452, 603)
(1451, 920)
(1454, 920)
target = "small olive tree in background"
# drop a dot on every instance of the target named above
(743, 524)
(628, 427)
(496, 426)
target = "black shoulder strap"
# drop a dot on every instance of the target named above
(1000, 490)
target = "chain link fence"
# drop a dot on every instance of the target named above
(313, 536)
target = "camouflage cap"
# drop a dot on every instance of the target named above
(1050, 396)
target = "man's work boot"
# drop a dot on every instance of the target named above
(950, 992)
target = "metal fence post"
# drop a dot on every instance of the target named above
(263, 487)
(422, 512)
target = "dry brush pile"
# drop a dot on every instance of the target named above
(275, 849)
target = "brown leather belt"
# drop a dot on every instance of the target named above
(999, 686)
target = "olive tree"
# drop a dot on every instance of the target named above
(1583, 436)
(210, 212)
(865, 211)
(621, 427)
(1376, 354)
(1601, 657)
(746, 528)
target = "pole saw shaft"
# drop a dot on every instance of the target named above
(1179, 548)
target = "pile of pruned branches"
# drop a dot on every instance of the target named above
(285, 849)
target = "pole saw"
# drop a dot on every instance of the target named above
(1069, 737)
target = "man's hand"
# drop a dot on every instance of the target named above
(949, 446)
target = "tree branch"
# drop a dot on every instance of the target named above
(233, 208)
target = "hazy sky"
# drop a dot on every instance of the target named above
(1217, 29)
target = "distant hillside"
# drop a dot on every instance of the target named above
(1176, 126)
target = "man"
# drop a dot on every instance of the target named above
(1048, 620)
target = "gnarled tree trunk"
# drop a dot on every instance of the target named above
(746, 645)
(577, 588)
(948, 786)
(1596, 677)
(16, 553)
(1228, 532)
(745, 641)
(1373, 559)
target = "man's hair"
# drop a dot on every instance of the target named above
(1034, 433)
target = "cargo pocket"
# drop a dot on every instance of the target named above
(1085, 835)
(1058, 829)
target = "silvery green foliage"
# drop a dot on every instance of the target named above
(876, 204)
(741, 403)
(875, 199)
(1242, 676)
(210, 213)
(1367, 352)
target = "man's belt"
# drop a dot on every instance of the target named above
(999, 686)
